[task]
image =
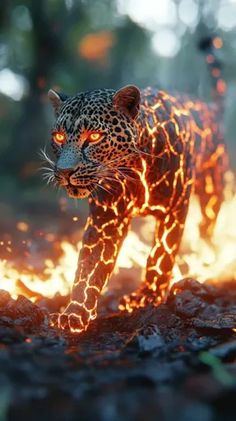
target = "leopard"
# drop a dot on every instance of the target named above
(137, 152)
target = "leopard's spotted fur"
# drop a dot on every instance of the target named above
(156, 148)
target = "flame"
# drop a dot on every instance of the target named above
(59, 277)
(197, 258)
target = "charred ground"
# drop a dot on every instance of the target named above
(151, 363)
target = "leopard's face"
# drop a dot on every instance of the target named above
(94, 134)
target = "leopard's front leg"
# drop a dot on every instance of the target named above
(104, 233)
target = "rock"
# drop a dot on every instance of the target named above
(22, 311)
(225, 351)
(220, 322)
(188, 297)
(4, 298)
(146, 340)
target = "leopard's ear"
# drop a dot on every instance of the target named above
(127, 100)
(56, 99)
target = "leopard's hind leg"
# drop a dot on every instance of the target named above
(209, 187)
(161, 259)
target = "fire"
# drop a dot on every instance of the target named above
(197, 258)
(59, 277)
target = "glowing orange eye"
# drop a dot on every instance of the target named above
(59, 138)
(94, 137)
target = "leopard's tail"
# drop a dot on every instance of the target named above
(211, 47)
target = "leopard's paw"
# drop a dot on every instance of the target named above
(73, 318)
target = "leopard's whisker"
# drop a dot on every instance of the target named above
(43, 154)
(150, 155)
(91, 192)
(110, 170)
(126, 176)
(50, 178)
(103, 188)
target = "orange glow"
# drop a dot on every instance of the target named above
(217, 42)
(59, 138)
(54, 277)
(215, 72)
(95, 47)
(22, 226)
(210, 59)
(95, 136)
(221, 86)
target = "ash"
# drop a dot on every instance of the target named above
(156, 363)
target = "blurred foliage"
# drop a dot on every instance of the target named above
(74, 45)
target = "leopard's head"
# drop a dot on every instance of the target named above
(94, 134)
